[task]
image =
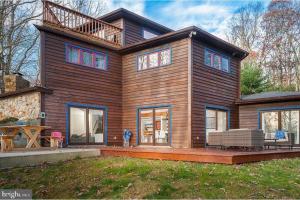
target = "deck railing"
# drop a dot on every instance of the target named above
(60, 16)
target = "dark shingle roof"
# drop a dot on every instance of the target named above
(265, 95)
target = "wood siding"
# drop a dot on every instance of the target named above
(211, 87)
(79, 84)
(248, 114)
(158, 86)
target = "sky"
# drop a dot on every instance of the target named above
(210, 15)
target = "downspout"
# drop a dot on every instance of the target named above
(190, 92)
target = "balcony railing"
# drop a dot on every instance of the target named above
(66, 18)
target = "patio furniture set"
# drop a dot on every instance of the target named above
(32, 133)
(250, 138)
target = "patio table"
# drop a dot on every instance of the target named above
(32, 132)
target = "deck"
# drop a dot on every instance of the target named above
(201, 155)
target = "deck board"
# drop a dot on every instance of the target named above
(202, 155)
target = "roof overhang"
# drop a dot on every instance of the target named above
(25, 91)
(268, 100)
(200, 35)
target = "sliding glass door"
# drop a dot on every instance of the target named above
(216, 120)
(154, 126)
(86, 126)
(286, 120)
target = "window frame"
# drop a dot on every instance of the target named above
(212, 59)
(81, 50)
(147, 54)
(138, 124)
(149, 31)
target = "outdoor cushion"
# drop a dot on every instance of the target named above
(280, 135)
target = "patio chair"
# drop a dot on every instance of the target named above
(56, 139)
(279, 139)
(6, 142)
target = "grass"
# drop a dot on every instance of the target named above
(114, 177)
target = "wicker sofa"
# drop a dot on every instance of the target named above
(250, 138)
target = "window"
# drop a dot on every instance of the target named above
(155, 59)
(216, 60)
(216, 120)
(154, 126)
(148, 34)
(86, 57)
(286, 120)
(86, 125)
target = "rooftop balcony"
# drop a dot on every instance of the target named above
(68, 19)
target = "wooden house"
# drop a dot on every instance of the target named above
(124, 71)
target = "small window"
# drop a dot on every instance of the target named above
(142, 62)
(148, 34)
(100, 61)
(85, 57)
(155, 59)
(208, 57)
(165, 57)
(225, 64)
(73, 55)
(216, 60)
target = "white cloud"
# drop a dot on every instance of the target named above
(137, 6)
(209, 15)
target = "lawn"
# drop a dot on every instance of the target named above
(113, 177)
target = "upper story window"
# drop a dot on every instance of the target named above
(86, 57)
(155, 59)
(147, 34)
(216, 60)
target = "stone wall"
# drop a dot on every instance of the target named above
(24, 106)
(14, 82)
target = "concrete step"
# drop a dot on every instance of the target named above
(32, 158)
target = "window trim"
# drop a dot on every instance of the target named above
(159, 60)
(80, 59)
(214, 52)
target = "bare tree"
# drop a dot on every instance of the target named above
(280, 24)
(272, 36)
(18, 38)
(244, 26)
(94, 8)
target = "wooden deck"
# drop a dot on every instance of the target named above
(202, 155)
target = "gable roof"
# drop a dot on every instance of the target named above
(268, 97)
(123, 13)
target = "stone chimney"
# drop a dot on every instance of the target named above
(14, 82)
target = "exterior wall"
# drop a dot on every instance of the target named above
(155, 87)
(248, 114)
(24, 106)
(80, 84)
(133, 32)
(211, 87)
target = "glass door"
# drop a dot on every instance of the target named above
(86, 126)
(154, 126)
(96, 128)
